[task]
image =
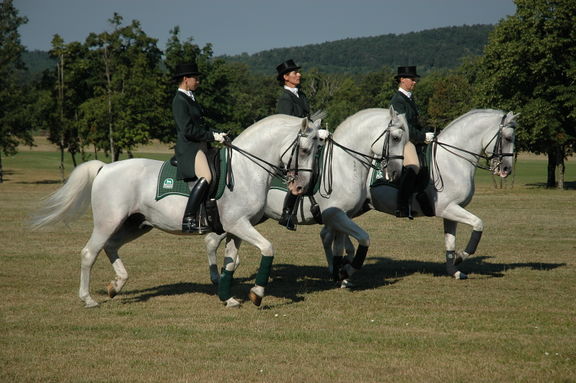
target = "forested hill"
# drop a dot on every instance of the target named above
(430, 49)
(439, 48)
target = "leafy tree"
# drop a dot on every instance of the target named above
(529, 66)
(450, 97)
(14, 101)
(126, 79)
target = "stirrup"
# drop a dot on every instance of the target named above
(191, 226)
(404, 212)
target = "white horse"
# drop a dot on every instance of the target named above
(348, 156)
(456, 152)
(124, 205)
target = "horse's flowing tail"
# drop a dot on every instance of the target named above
(71, 200)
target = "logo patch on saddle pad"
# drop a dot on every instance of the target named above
(168, 183)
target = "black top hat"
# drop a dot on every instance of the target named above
(188, 70)
(406, 71)
(286, 67)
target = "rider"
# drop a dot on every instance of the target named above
(403, 103)
(192, 141)
(292, 101)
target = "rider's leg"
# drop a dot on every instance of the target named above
(288, 218)
(408, 181)
(198, 190)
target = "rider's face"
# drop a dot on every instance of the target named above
(292, 79)
(407, 83)
(192, 82)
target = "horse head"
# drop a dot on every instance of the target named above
(389, 145)
(299, 156)
(502, 157)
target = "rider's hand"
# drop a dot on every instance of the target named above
(219, 136)
(429, 137)
(323, 134)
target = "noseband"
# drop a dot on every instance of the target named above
(290, 174)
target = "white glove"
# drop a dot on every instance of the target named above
(429, 137)
(219, 136)
(323, 134)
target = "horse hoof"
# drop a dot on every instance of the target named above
(255, 298)
(346, 284)
(90, 305)
(232, 303)
(111, 290)
(461, 256)
(460, 275)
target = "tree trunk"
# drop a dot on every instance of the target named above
(1, 169)
(109, 91)
(62, 178)
(552, 163)
(561, 168)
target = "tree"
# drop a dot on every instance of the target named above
(128, 102)
(529, 66)
(14, 126)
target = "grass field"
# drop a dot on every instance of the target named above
(514, 320)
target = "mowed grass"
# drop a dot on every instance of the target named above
(514, 320)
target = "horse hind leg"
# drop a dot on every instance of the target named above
(131, 229)
(88, 256)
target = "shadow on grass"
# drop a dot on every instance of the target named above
(292, 282)
(542, 185)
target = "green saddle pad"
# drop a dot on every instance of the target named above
(168, 184)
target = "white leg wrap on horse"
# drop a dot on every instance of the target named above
(232, 303)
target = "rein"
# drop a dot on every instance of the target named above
(271, 169)
(366, 160)
(496, 153)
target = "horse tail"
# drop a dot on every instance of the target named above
(71, 200)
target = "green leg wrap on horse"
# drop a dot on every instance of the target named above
(264, 271)
(224, 285)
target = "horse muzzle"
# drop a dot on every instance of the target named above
(296, 184)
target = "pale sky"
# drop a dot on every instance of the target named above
(237, 26)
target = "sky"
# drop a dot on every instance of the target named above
(250, 26)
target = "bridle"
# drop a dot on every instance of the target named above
(494, 159)
(367, 160)
(287, 174)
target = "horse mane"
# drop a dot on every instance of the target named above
(468, 114)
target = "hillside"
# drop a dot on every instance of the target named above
(434, 48)
(438, 48)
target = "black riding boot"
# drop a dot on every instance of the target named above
(190, 222)
(288, 218)
(407, 186)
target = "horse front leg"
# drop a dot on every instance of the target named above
(340, 223)
(212, 242)
(231, 263)
(452, 216)
(244, 230)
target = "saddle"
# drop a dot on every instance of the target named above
(218, 164)
(422, 182)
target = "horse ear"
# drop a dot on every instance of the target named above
(393, 113)
(304, 125)
(511, 116)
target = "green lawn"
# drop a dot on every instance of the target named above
(513, 320)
